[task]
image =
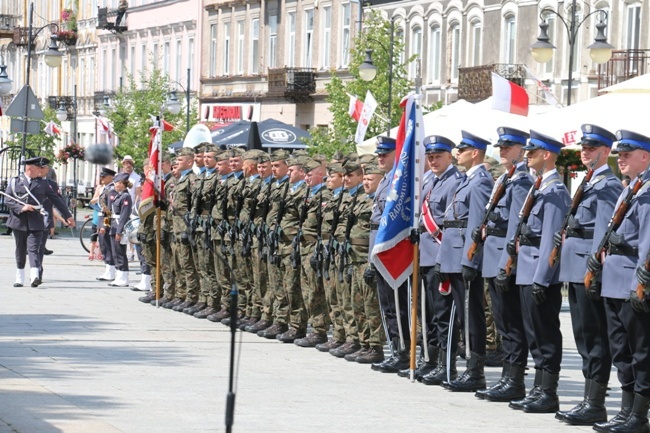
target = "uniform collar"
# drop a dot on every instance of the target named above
(282, 179)
(184, 172)
(474, 169)
(297, 185)
(268, 179)
(600, 169)
(446, 172)
(210, 170)
(238, 174)
(337, 191)
(549, 174)
(354, 189)
(316, 188)
(202, 170)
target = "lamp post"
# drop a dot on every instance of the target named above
(174, 105)
(61, 115)
(600, 51)
(368, 71)
(53, 59)
(5, 82)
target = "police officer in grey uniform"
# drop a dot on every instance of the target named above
(393, 310)
(121, 208)
(628, 317)
(463, 214)
(26, 220)
(438, 192)
(504, 293)
(585, 229)
(539, 283)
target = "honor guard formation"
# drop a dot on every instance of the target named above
(294, 233)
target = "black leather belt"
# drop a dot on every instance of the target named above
(499, 233)
(456, 224)
(374, 226)
(529, 242)
(623, 250)
(579, 233)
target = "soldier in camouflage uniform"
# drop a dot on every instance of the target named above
(180, 203)
(331, 213)
(365, 301)
(262, 296)
(167, 239)
(353, 175)
(279, 191)
(220, 293)
(296, 203)
(203, 202)
(311, 247)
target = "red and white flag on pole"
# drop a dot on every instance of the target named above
(369, 107)
(508, 97)
(105, 126)
(154, 184)
(355, 108)
(52, 129)
(549, 97)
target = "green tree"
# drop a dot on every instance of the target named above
(132, 110)
(340, 134)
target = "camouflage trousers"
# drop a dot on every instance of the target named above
(188, 284)
(313, 293)
(261, 306)
(149, 253)
(365, 305)
(242, 270)
(336, 314)
(220, 292)
(207, 276)
(167, 269)
(344, 296)
(492, 336)
(291, 284)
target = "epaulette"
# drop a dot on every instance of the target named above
(458, 175)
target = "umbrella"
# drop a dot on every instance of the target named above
(235, 135)
(269, 133)
(640, 84)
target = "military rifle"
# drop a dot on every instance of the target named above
(295, 243)
(492, 204)
(262, 230)
(207, 230)
(318, 251)
(614, 223)
(235, 228)
(329, 251)
(274, 235)
(189, 226)
(223, 224)
(196, 207)
(640, 288)
(344, 248)
(249, 229)
(523, 219)
(577, 199)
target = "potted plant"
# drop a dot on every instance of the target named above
(72, 150)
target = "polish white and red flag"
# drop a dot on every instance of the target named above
(154, 184)
(508, 96)
(105, 126)
(52, 129)
(367, 110)
(355, 108)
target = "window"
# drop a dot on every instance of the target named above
(226, 49)
(179, 58)
(435, 58)
(104, 69)
(240, 47)
(633, 27)
(416, 49)
(510, 37)
(326, 26)
(309, 37)
(255, 47)
(91, 76)
(132, 60)
(399, 36)
(273, 41)
(291, 39)
(166, 55)
(476, 39)
(113, 80)
(345, 35)
(190, 53)
(550, 20)
(143, 58)
(454, 53)
(82, 76)
(154, 60)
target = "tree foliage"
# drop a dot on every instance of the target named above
(131, 115)
(376, 37)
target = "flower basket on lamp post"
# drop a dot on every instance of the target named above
(68, 37)
(70, 151)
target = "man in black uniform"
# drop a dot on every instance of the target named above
(27, 217)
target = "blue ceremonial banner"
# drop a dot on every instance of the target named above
(393, 250)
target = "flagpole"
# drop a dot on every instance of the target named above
(158, 188)
(415, 223)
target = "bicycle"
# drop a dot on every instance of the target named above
(86, 232)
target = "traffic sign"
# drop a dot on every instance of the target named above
(24, 98)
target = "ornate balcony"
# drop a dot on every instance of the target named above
(475, 83)
(294, 84)
(106, 20)
(7, 25)
(623, 65)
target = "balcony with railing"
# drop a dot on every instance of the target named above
(7, 25)
(106, 19)
(294, 84)
(475, 83)
(623, 65)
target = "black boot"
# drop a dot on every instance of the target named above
(472, 379)
(439, 375)
(532, 395)
(398, 361)
(505, 373)
(619, 418)
(637, 422)
(593, 410)
(561, 414)
(547, 402)
(513, 389)
(423, 367)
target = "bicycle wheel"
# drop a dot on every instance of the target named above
(85, 232)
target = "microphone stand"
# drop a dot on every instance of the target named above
(230, 399)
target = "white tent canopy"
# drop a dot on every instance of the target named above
(640, 84)
(479, 119)
(612, 111)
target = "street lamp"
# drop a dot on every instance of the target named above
(173, 104)
(600, 51)
(368, 71)
(5, 82)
